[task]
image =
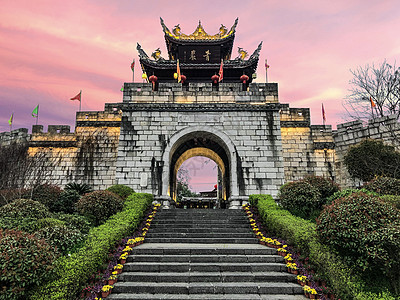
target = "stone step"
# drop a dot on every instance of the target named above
(160, 229)
(205, 258)
(265, 288)
(199, 226)
(114, 296)
(202, 267)
(203, 240)
(206, 277)
(177, 249)
(196, 235)
(199, 221)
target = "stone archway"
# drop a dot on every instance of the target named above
(220, 148)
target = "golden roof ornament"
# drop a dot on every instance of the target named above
(242, 53)
(156, 54)
(199, 33)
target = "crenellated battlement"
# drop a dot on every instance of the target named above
(201, 93)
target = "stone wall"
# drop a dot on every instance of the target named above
(307, 149)
(348, 134)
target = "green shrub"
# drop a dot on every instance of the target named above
(384, 186)
(72, 273)
(75, 221)
(366, 232)
(99, 205)
(300, 198)
(47, 222)
(392, 199)
(325, 186)
(121, 190)
(347, 192)
(24, 208)
(372, 158)
(25, 261)
(62, 237)
(66, 202)
(302, 234)
(46, 194)
(80, 188)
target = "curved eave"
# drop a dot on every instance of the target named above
(171, 39)
(168, 64)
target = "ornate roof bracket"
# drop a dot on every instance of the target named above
(142, 54)
(256, 52)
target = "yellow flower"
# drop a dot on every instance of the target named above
(106, 288)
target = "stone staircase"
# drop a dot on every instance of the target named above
(204, 254)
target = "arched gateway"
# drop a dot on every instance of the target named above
(187, 110)
(200, 141)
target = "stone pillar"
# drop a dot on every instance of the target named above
(165, 201)
(235, 202)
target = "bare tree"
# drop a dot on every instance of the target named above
(381, 84)
(19, 170)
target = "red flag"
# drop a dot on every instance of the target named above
(266, 65)
(133, 65)
(77, 97)
(178, 71)
(323, 113)
(372, 102)
(221, 71)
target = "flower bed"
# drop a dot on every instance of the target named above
(301, 234)
(74, 272)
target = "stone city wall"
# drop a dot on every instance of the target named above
(349, 134)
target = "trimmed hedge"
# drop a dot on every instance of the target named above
(301, 234)
(72, 273)
(384, 186)
(121, 190)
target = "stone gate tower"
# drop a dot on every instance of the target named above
(200, 102)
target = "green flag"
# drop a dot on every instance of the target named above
(11, 119)
(122, 89)
(35, 112)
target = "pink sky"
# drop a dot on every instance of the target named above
(51, 49)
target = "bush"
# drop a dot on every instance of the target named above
(384, 186)
(99, 205)
(62, 237)
(347, 192)
(302, 235)
(66, 202)
(392, 199)
(24, 208)
(326, 187)
(46, 194)
(78, 222)
(73, 272)
(47, 222)
(25, 262)
(366, 232)
(80, 188)
(300, 198)
(121, 190)
(372, 158)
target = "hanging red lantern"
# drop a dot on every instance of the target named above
(183, 78)
(153, 79)
(244, 78)
(215, 79)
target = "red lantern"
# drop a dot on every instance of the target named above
(215, 186)
(244, 78)
(153, 79)
(183, 78)
(215, 79)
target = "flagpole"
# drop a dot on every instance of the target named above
(80, 101)
(133, 71)
(12, 119)
(266, 71)
(37, 118)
